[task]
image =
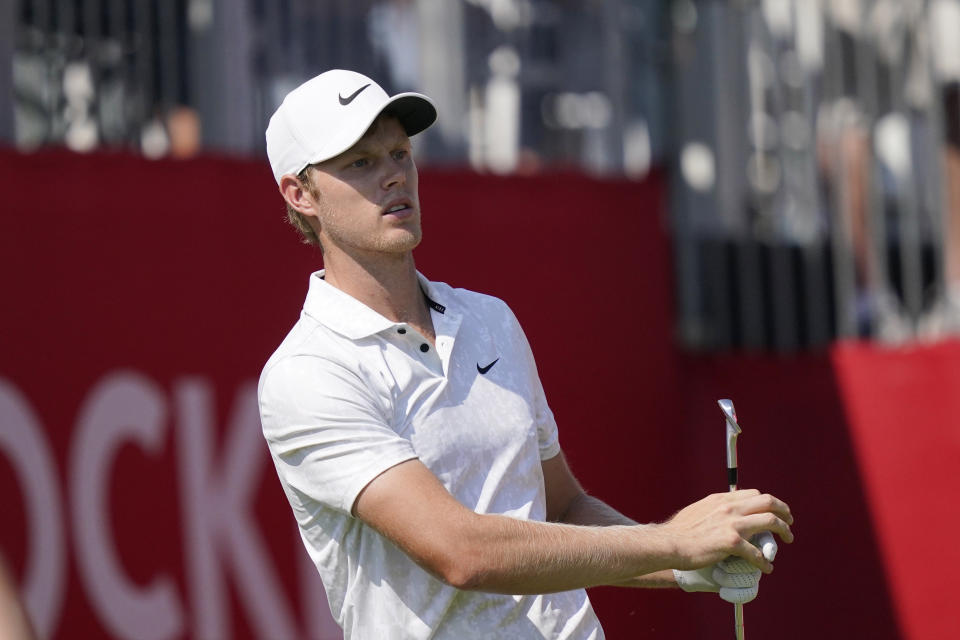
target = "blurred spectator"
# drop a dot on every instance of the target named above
(945, 319)
(394, 32)
(183, 128)
(952, 117)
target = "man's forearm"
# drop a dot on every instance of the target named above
(587, 510)
(513, 556)
(408, 505)
(598, 551)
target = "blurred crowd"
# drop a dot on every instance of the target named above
(521, 83)
(815, 188)
(811, 146)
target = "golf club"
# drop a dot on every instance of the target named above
(733, 430)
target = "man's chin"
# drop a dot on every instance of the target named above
(409, 240)
(401, 242)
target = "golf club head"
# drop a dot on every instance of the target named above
(733, 430)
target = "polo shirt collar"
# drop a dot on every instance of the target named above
(348, 316)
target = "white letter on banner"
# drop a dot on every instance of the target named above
(21, 437)
(218, 526)
(122, 407)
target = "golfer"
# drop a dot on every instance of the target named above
(410, 430)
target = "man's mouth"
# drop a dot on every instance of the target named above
(399, 207)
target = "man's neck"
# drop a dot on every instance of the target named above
(388, 286)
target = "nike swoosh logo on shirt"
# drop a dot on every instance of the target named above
(349, 99)
(483, 370)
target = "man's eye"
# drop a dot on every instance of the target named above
(400, 154)
(362, 162)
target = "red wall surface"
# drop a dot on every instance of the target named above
(140, 299)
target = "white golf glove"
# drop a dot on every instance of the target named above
(735, 579)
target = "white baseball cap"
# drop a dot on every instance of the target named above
(326, 115)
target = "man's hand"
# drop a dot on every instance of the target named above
(722, 525)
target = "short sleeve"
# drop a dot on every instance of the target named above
(548, 437)
(326, 430)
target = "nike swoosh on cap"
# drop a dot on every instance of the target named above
(483, 370)
(349, 99)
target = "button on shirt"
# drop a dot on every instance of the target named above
(350, 393)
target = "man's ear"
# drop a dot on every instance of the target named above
(296, 195)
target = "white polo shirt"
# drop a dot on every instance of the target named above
(349, 394)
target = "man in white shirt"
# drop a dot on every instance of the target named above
(410, 430)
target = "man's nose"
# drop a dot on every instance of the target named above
(395, 175)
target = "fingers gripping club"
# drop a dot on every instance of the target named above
(738, 579)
